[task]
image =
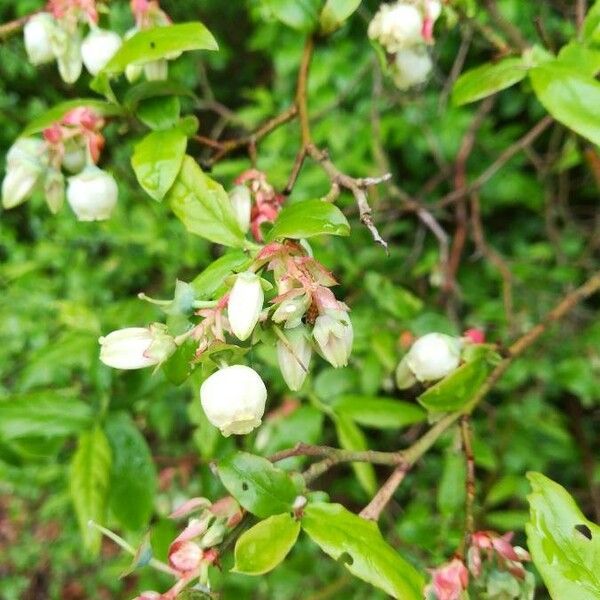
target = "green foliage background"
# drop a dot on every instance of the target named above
(64, 283)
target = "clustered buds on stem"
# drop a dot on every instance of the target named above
(404, 29)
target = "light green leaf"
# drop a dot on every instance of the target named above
(458, 389)
(298, 14)
(488, 79)
(580, 58)
(564, 545)
(203, 206)
(133, 477)
(157, 159)
(382, 413)
(394, 299)
(358, 544)
(89, 482)
(211, 279)
(160, 42)
(257, 485)
(154, 89)
(352, 438)
(335, 12)
(451, 489)
(160, 112)
(570, 97)
(264, 546)
(308, 218)
(43, 414)
(56, 113)
(591, 25)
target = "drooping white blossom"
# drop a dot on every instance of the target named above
(92, 194)
(245, 304)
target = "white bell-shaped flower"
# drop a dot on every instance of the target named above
(92, 194)
(334, 335)
(157, 70)
(27, 148)
(412, 66)
(98, 48)
(37, 35)
(19, 182)
(434, 356)
(396, 26)
(233, 399)
(66, 46)
(54, 190)
(245, 304)
(293, 356)
(241, 202)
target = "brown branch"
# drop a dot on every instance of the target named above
(301, 91)
(509, 153)
(385, 493)
(580, 11)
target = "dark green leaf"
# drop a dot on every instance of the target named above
(157, 160)
(488, 79)
(179, 365)
(56, 113)
(458, 389)
(203, 206)
(133, 477)
(570, 97)
(394, 299)
(89, 484)
(42, 414)
(382, 413)
(153, 89)
(257, 485)
(335, 12)
(308, 218)
(564, 545)
(264, 546)
(298, 14)
(160, 112)
(211, 279)
(358, 543)
(160, 42)
(451, 489)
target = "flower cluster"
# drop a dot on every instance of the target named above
(194, 549)
(452, 579)
(404, 29)
(72, 144)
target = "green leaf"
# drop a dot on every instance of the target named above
(211, 279)
(154, 89)
(488, 79)
(298, 14)
(160, 112)
(394, 299)
(89, 482)
(42, 414)
(160, 42)
(381, 413)
(564, 545)
(203, 206)
(257, 485)
(157, 160)
(358, 544)
(352, 438)
(591, 25)
(133, 477)
(56, 113)
(580, 58)
(335, 12)
(451, 489)
(458, 389)
(570, 97)
(261, 548)
(308, 218)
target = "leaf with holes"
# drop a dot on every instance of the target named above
(261, 548)
(564, 545)
(257, 485)
(358, 543)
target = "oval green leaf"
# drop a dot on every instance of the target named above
(257, 485)
(342, 534)
(161, 42)
(207, 283)
(381, 413)
(157, 160)
(564, 545)
(308, 218)
(261, 548)
(488, 79)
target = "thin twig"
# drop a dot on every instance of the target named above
(467, 446)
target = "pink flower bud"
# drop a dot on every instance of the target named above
(449, 581)
(185, 557)
(475, 336)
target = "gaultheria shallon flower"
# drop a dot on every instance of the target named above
(474, 336)
(233, 399)
(136, 347)
(291, 311)
(411, 67)
(37, 36)
(432, 357)
(397, 26)
(185, 557)
(98, 48)
(66, 46)
(293, 356)
(19, 182)
(334, 335)
(448, 581)
(54, 190)
(245, 304)
(241, 202)
(92, 194)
